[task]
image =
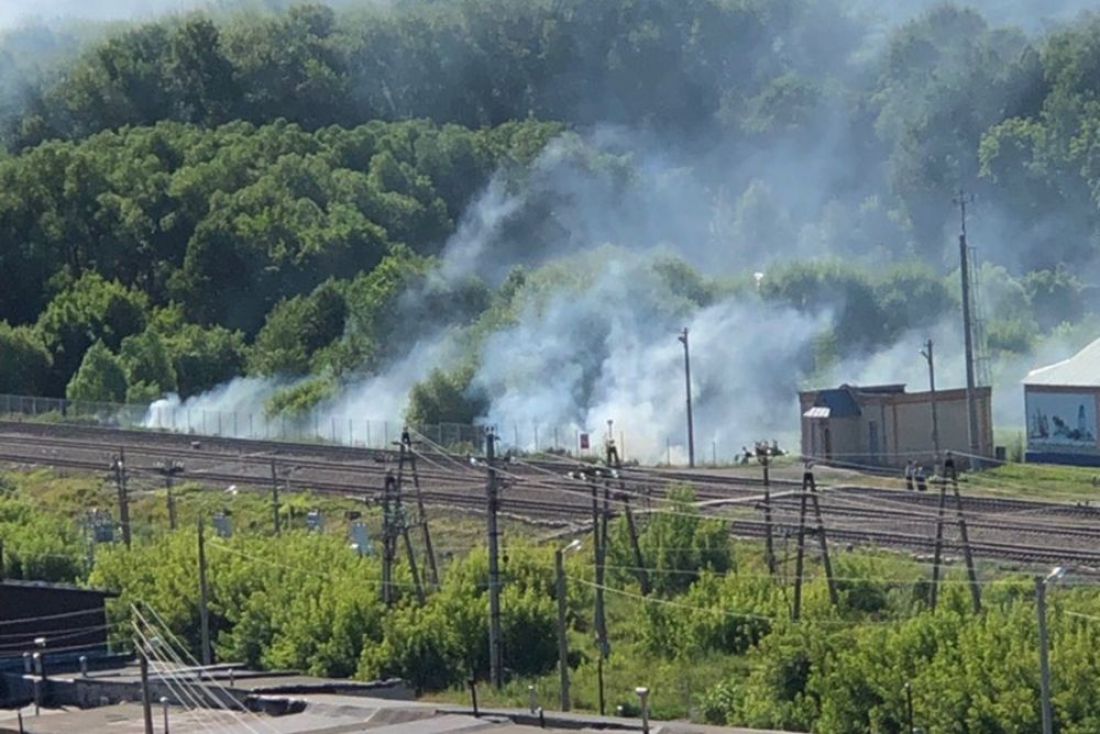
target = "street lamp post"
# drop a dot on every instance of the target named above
(1044, 644)
(687, 387)
(643, 700)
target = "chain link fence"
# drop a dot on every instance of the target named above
(319, 426)
(329, 427)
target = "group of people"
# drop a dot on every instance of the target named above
(761, 449)
(915, 478)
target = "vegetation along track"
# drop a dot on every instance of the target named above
(1006, 529)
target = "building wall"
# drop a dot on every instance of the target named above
(69, 619)
(1048, 400)
(894, 428)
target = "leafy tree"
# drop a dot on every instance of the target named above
(295, 330)
(201, 358)
(101, 378)
(1055, 295)
(88, 311)
(445, 398)
(148, 365)
(24, 361)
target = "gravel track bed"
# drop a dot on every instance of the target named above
(542, 491)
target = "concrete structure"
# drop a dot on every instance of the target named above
(252, 702)
(69, 619)
(1062, 402)
(884, 426)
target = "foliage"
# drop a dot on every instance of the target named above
(295, 330)
(90, 310)
(148, 366)
(101, 378)
(446, 398)
(24, 361)
(36, 545)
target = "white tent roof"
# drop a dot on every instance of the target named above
(1080, 370)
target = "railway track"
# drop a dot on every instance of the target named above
(1010, 529)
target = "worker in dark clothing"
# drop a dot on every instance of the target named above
(922, 481)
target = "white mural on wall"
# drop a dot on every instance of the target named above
(1061, 419)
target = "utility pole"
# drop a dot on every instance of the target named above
(146, 698)
(600, 621)
(1044, 654)
(402, 519)
(169, 469)
(275, 498)
(809, 493)
(635, 546)
(563, 641)
(823, 541)
(123, 496)
(799, 563)
(1041, 585)
(964, 535)
(389, 538)
(930, 356)
(615, 463)
(769, 543)
(973, 428)
(937, 557)
(204, 598)
(909, 707)
(496, 658)
(409, 455)
(687, 386)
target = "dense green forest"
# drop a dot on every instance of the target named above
(287, 194)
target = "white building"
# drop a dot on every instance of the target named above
(1062, 402)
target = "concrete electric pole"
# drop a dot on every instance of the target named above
(930, 356)
(169, 469)
(1044, 644)
(123, 496)
(687, 386)
(563, 640)
(275, 498)
(204, 598)
(496, 658)
(972, 425)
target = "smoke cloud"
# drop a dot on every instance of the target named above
(607, 203)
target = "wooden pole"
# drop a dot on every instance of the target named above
(823, 541)
(796, 611)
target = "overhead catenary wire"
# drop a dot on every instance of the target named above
(228, 696)
(182, 694)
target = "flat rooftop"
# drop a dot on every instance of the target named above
(333, 717)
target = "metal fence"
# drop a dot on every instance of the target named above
(319, 426)
(195, 417)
